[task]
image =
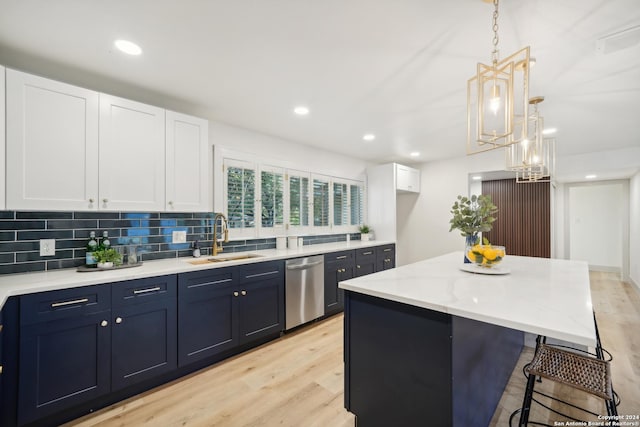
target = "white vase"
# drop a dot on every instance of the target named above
(364, 237)
(105, 265)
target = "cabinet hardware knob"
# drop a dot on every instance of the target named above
(170, 203)
(235, 294)
(90, 200)
(358, 266)
(104, 323)
(118, 320)
(243, 292)
(105, 200)
(0, 369)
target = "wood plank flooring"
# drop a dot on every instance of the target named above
(297, 380)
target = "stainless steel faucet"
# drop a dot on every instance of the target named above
(225, 231)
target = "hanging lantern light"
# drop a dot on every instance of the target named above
(497, 99)
(533, 158)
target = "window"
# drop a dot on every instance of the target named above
(240, 197)
(298, 201)
(320, 202)
(356, 204)
(340, 204)
(272, 199)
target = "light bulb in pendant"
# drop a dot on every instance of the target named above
(494, 100)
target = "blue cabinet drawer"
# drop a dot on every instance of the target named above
(140, 291)
(62, 304)
(261, 271)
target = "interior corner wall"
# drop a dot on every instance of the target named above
(634, 230)
(425, 231)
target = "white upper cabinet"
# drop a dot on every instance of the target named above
(2, 141)
(132, 155)
(407, 179)
(52, 144)
(187, 151)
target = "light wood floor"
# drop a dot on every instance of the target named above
(297, 380)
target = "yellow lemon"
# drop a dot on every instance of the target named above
(490, 254)
(477, 249)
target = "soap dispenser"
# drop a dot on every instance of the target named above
(196, 249)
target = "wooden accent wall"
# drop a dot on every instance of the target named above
(524, 217)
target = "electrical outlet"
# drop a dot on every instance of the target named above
(179, 237)
(47, 247)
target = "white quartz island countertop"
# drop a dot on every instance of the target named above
(26, 283)
(542, 296)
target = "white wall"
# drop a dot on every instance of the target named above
(634, 230)
(596, 217)
(423, 230)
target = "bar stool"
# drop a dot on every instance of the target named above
(576, 368)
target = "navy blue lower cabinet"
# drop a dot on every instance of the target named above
(338, 266)
(261, 300)
(207, 313)
(144, 330)
(63, 363)
(410, 366)
(385, 257)
(365, 261)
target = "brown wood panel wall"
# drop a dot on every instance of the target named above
(524, 217)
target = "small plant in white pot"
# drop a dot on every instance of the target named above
(366, 233)
(107, 258)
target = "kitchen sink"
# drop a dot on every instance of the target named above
(224, 258)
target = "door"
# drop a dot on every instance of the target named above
(63, 363)
(132, 155)
(2, 150)
(52, 144)
(261, 300)
(187, 147)
(207, 313)
(365, 261)
(338, 267)
(385, 257)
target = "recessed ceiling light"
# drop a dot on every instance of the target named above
(369, 137)
(128, 47)
(301, 110)
(476, 177)
(414, 153)
(591, 176)
(549, 131)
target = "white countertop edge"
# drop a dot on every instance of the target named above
(28, 283)
(359, 285)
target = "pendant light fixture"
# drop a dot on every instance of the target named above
(497, 99)
(533, 158)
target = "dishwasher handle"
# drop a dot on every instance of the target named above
(304, 266)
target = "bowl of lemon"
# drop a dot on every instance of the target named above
(486, 255)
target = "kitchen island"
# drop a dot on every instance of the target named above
(430, 344)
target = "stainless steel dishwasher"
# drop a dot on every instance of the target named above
(304, 290)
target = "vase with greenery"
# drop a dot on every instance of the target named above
(472, 215)
(365, 231)
(107, 258)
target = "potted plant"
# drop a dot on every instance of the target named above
(472, 215)
(107, 258)
(365, 232)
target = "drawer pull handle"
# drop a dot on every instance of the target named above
(144, 291)
(118, 320)
(197, 285)
(341, 257)
(387, 250)
(75, 301)
(243, 292)
(104, 323)
(249, 276)
(367, 253)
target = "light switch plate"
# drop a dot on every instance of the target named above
(179, 237)
(47, 247)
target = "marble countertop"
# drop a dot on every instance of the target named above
(542, 296)
(26, 283)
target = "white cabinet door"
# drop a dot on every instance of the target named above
(52, 144)
(407, 179)
(187, 145)
(2, 141)
(132, 154)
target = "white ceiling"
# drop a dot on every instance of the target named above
(397, 68)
